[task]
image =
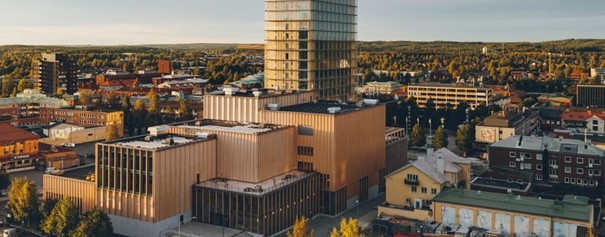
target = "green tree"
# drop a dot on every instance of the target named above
(94, 223)
(62, 219)
(301, 228)
(464, 139)
(23, 202)
(8, 83)
(440, 138)
(418, 136)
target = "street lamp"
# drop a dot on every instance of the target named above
(357, 212)
(181, 222)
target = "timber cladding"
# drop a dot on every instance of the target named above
(346, 146)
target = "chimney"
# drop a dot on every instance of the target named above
(430, 151)
(441, 166)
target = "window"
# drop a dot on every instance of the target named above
(596, 162)
(412, 177)
(414, 189)
(433, 191)
(423, 190)
(538, 176)
(597, 172)
(568, 170)
(553, 162)
(573, 180)
(305, 131)
(580, 160)
(512, 164)
(552, 172)
(590, 172)
(566, 180)
(538, 167)
(305, 151)
(538, 156)
(591, 182)
(595, 122)
(568, 159)
(528, 166)
(580, 171)
(585, 181)
(512, 154)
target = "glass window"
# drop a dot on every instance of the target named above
(414, 189)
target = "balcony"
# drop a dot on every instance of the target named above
(554, 166)
(411, 182)
(553, 176)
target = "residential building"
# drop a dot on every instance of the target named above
(450, 94)
(599, 73)
(310, 45)
(88, 119)
(386, 88)
(164, 66)
(591, 96)
(552, 160)
(54, 72)
(504, 124)
(511, 215)
(18, 147)
(410, 190)
(550, 118)
(29, 108)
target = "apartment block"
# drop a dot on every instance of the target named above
(450, 94)
(55, 72)
(591, 96)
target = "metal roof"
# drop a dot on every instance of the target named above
(571, 208)
(561, 145)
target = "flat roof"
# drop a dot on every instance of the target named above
(566, 209)
(321, 107)
(80, 173)
(459, 85)
(266, 186)
(561, 145)
(500, 184)
(155, 143)
(245, 129)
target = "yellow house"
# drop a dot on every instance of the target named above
(411, 189)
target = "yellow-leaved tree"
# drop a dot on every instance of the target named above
(301, 228)
(348, 228)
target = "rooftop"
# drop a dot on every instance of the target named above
(458, 85)
(81, 174)
(321, 107)
(561, 145)
(30, 96)
(428, 165)
(257, 189)
(10, 133)
(245, 129)
(501, 184)
(571, 208)
(155, 143)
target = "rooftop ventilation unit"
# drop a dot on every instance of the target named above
(158, 130)
(169, 141)
(229, 91)
(202, 135)
(257, 93)
(273, 106)
(371, 102)
(334, 110)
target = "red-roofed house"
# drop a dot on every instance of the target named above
(18, 148)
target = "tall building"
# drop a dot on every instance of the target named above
(55, 72)
(164, 66)
(591, 96)
(310, 45)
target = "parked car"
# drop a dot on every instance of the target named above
(53, 170)
(10, 232)
(70, 145)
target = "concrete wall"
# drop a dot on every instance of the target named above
(417, 214)
(79, 137)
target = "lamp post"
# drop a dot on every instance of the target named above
(181, 222)
(357, 211)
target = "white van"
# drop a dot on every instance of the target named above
(10, 232)
(53, 170)
(70, 145)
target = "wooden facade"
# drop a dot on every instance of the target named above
(81, 192)
(159, 186)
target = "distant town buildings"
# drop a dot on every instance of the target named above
(591, 96)
(311, 46)
(164, 66)
(450, 94)
(382, 88)
(598, 73)
(54, 72)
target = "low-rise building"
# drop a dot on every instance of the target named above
(410, 190)
(504, 124)
(552, 160)
(514, 215)
(452, 94)
(556, 100)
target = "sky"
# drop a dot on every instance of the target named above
(131, 22)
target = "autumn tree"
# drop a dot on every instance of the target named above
(418, 136)
(348, 228)
(440, 138)
(94, 223)
(62, 219)
(301, 228)
(184, 111)
(24, 84)
(23, 202)
(85, 98)
(112, 132)
(153, 98)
